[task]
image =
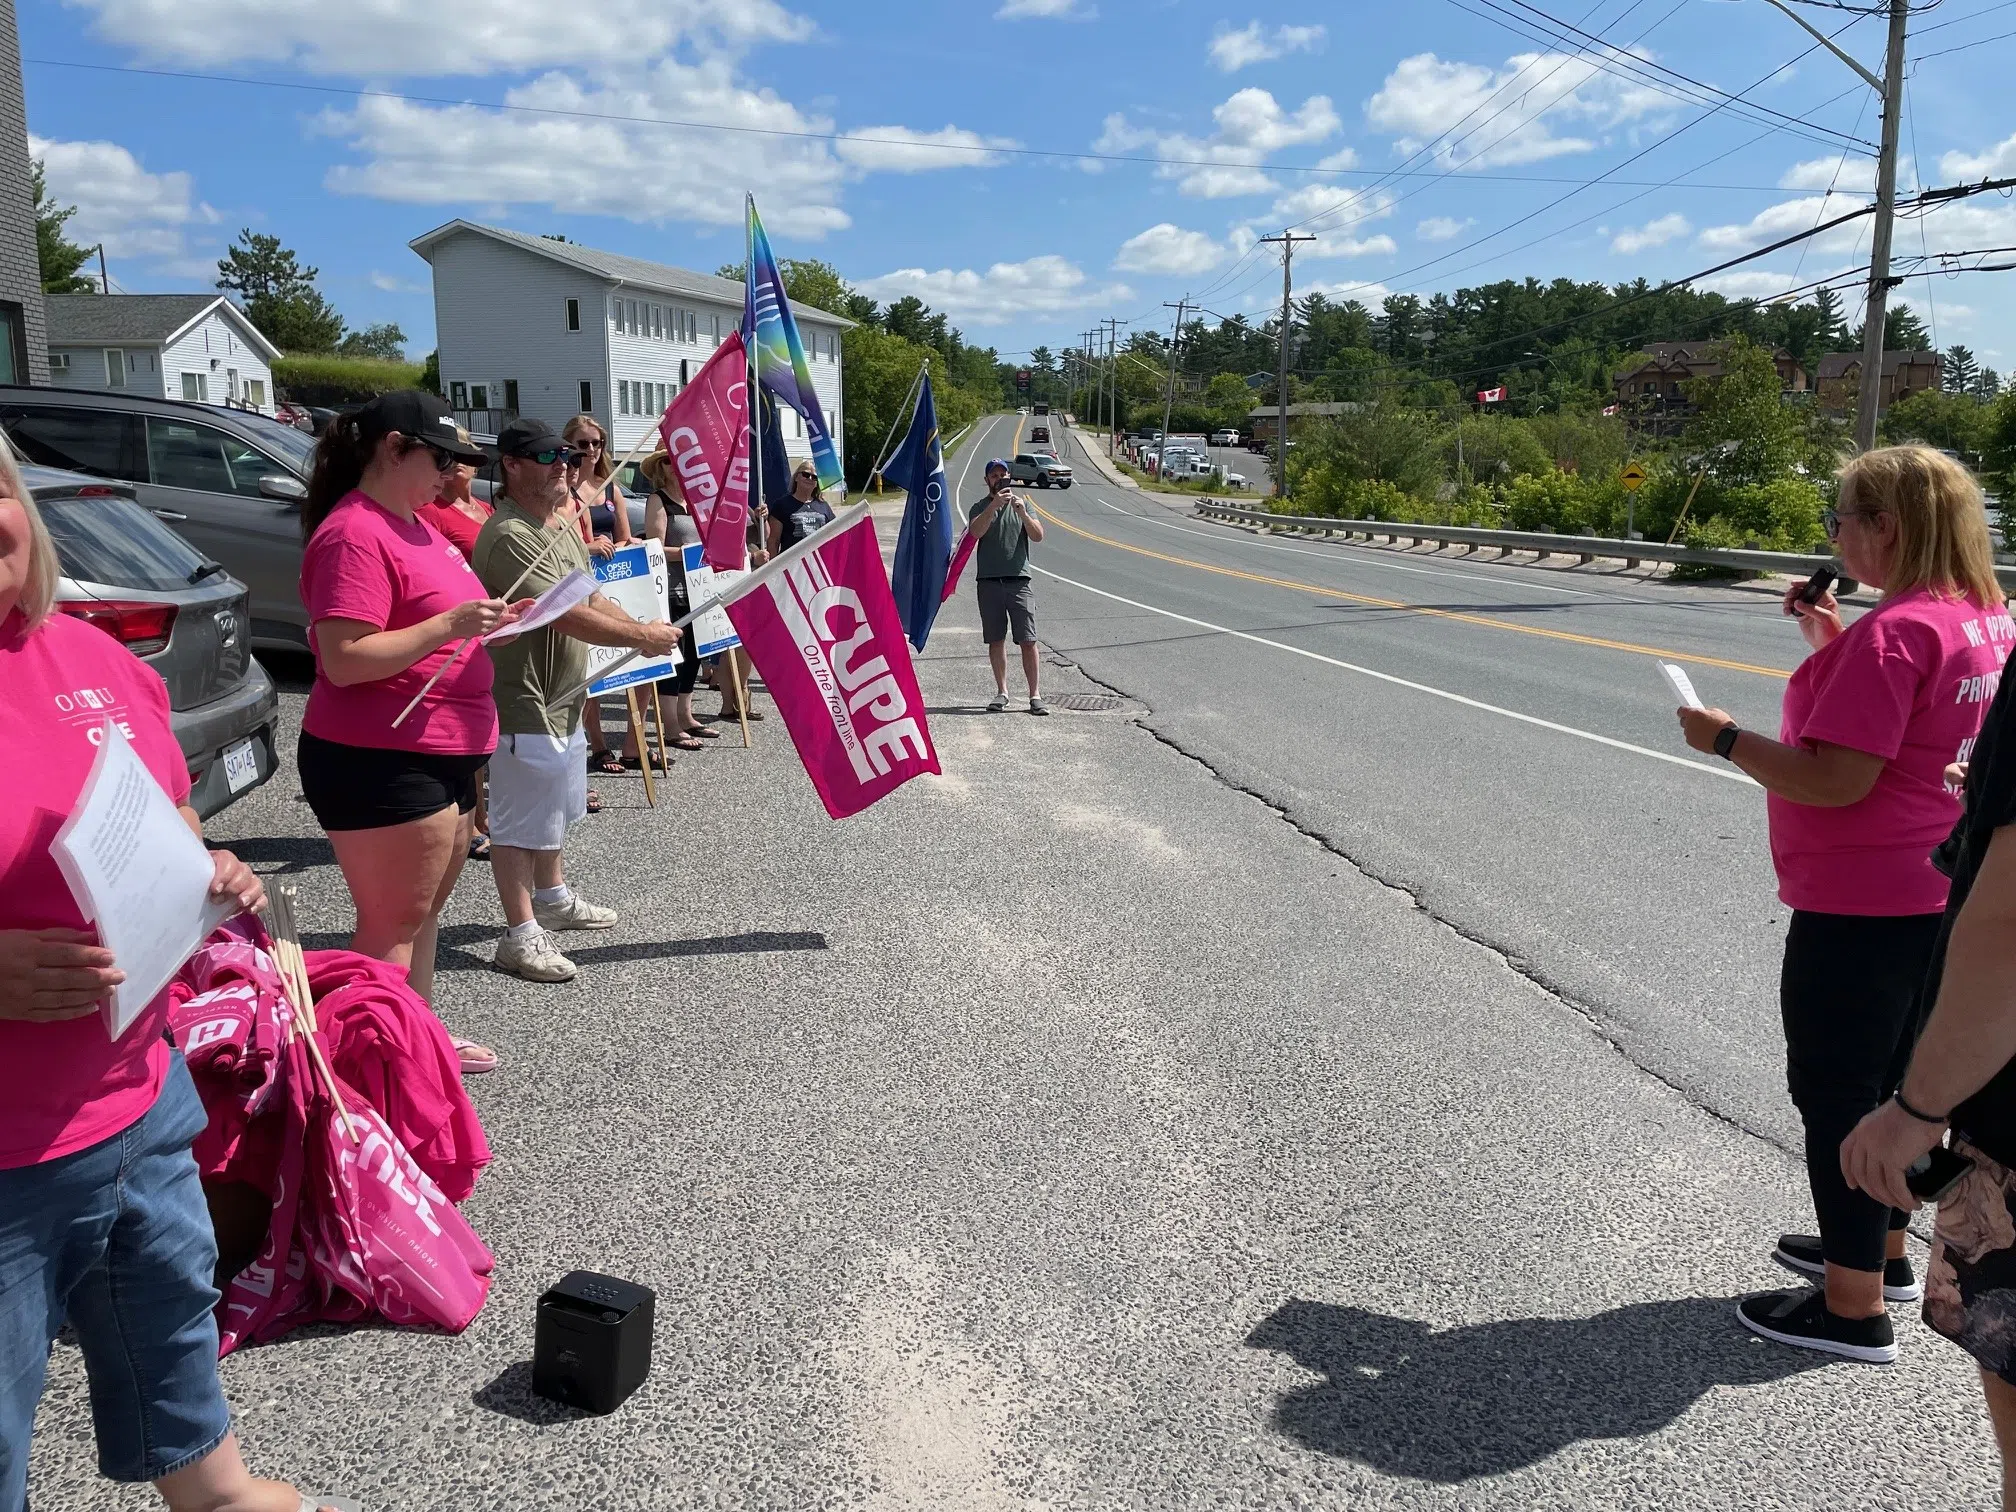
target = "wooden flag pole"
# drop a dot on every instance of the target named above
(658, 721)
(643, 745)
(734, 658)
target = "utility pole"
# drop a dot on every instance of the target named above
(1169, 403)
(1112, 325)
(1890, 88)
(104, 278)
(1286, 240)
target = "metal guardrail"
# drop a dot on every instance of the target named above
(1505, 542)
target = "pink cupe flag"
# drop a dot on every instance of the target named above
(825, 635)
(960, 557)
(705, 433)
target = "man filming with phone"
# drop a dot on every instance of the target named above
(1003, 524)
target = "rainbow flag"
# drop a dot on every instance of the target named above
(779, 356)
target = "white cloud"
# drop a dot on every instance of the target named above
(1007, 291)
(1253, 43)
(1044, 10)
(1497, 117)
(899, 149)
(1250, 125)
(1330, 215)
(1443, 227)
(470, 154)
(1783, 219)
(1998, 161)
(1851, 174)
(1655, 233)
(133, 213)
(1168, 248)
(1371, 295)
(1760, 283)
(391, 283)
(434, 38)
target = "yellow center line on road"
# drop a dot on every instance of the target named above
(1487, 621)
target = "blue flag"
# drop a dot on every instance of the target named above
(924, 544)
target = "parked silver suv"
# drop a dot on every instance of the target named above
(228, 482)
(139, 582)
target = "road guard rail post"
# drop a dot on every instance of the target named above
(1584, 548)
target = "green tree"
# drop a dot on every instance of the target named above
(1744, 405)
(60, 257)
(807, 281)
(279, 295)
(1951, 422)
(1958, 369)
(1998, 451)
(384, 341)
(1493, 449)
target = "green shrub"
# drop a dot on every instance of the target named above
(1555, 501)
(341, 380)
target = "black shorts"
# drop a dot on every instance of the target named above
(363, 787)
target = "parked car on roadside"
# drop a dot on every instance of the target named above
(227, 481)
(1040, 469)
(182, 614)
(1225, 438)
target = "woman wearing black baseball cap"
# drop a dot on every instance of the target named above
(390, 602)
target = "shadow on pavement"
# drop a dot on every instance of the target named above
(450, 955)
(510, 1395)
(1484, 1399)
(291, 853)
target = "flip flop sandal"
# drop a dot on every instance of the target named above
(633, 763)
(594, 801)
(481, 1060)
(605, 763)
(685, 743)
(701, 732)
(479, 847)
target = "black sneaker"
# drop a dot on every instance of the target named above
(1800, 1318)
(1801, 1253)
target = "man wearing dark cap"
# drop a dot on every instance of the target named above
(1004, 525)
(539, 775)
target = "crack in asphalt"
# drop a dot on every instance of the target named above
(1590, 1014)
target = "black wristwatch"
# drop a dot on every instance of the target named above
(1725, 741)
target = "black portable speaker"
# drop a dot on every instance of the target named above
(591, 1346)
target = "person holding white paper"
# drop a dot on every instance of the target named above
(103, 1223)
(539, 776)
(1858, 800)
(390, 603)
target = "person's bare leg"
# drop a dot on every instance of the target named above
(1853, 1293)
(513, 870)
(219, 1482)
(395, 875)
(1894, 1250)
(591, 722)
(2002, 1413)
(1030, 662)
(482, 824)
(997, 658)
(421, 973)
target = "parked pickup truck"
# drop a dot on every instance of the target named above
(1040, 469)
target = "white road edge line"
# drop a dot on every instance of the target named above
(1728, 774)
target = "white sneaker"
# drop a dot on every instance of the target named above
(576, 913)
(534, 957)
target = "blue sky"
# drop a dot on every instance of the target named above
(1029, 166)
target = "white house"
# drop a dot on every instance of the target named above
(167, 346)
(548, 329)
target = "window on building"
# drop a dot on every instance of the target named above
(657, 322)
(636, 318)
(717, 330)
(115, 368)
(59, 362)
(693, 325)
(458, 396)
(479, 396)
(511, 395)
(255, 392)
(573, 314)
(14, 345)
(587, 397)
(622, 396)
(616, 312)
(196, 387)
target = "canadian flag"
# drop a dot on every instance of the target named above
(1609, 409)
(1490, 396)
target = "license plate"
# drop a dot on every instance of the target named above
(241, 765)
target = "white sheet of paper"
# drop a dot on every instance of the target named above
(138, 874)
(575, 588)
(1682, 685)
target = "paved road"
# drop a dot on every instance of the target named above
(1071, 1132)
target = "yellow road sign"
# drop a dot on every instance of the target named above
(1633, 476)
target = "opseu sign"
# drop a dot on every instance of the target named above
(634, 579)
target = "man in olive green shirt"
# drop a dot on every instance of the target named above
(539, 774)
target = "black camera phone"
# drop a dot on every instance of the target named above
(1935, 1173)
(1818, 584)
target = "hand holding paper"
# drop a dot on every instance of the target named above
(1682, 686)
(139, 875)
(575, 588)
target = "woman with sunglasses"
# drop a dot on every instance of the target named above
(1858, 798)
(390, 602)
(605, 525)
(804, 513)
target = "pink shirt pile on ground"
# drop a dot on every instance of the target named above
(365, 563)
(1909, 681)
(67, 1085)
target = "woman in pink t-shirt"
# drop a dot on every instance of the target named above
(102, 1218)
(1857, 796)
(391, 604)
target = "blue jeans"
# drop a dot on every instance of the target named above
(117, 1238)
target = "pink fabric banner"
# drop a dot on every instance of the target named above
(960, 557)
(705, 433)
(825, 635)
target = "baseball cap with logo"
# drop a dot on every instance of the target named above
(526, 437)
(422, 417)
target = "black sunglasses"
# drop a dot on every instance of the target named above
(587, 445)
(444, 461)
(1830, 520)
